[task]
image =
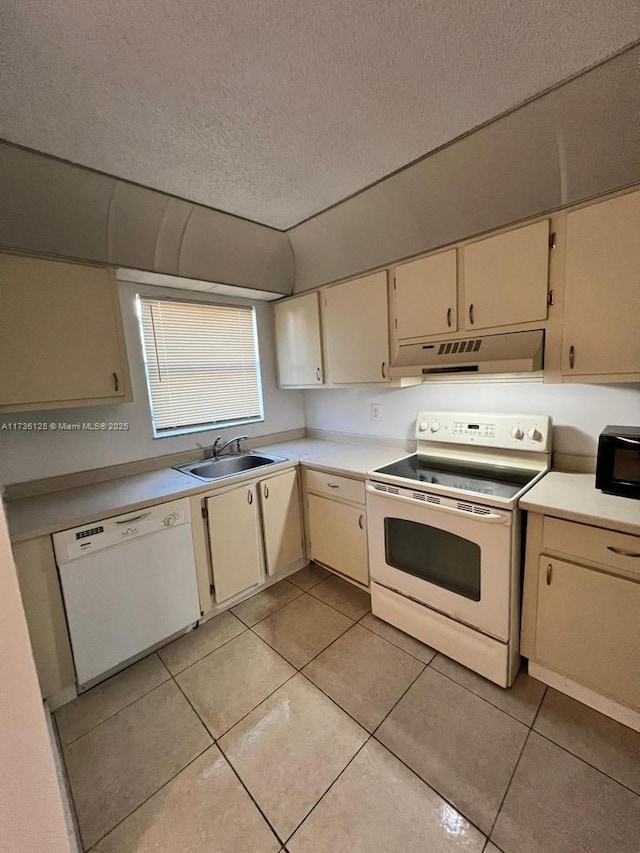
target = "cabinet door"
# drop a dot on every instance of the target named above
(339, 537)
(234, 539)
(298, 341)
(587, 628)
(425, 296)
(60, 335)
(601, 320)
(282, 530)
(506, 278)
(357, 330)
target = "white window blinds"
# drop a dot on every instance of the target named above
(202, 365)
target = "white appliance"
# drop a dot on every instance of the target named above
(445, 535)
(128, 583)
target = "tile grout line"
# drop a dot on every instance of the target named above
(256, 594)
(115, 713)
(484, 699)
(324, 793)
(224, 755)
(146, 800)
(517, 764)
(359, 622)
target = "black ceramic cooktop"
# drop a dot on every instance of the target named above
(467, 477)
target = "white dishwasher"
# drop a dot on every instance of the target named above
(128, 583)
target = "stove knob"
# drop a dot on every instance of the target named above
(435, 426)
(517, 433)
(422, 426)
(534, 435)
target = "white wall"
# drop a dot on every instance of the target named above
(31, 455)
(579, 412)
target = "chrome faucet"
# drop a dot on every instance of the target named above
(217, 448)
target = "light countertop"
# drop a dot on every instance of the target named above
(44, 514)
(575, 497)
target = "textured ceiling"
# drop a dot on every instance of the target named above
(276, 110)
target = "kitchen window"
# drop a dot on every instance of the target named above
(202, 365)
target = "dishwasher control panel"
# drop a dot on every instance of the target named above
(72, 544)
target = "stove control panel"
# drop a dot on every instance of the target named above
(514, 432)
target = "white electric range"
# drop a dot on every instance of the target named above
(445, 537)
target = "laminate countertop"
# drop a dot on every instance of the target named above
(575, 497)
(41, 515)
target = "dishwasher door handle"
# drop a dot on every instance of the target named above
(133, 518)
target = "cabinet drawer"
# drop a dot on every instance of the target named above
(342, 488)
(619, 551)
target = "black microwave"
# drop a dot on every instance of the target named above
(618, 465)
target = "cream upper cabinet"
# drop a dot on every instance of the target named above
(281, 523)
(356, 324)
(61, 339)
(587, 628)
(506, 278)
(299, 350)
(234, 540)
(424, 298)
(601, 319)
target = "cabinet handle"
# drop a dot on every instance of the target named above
(549, 574)
(266, 492)
(361, 522)
(333, 486)
(623, 551)
(572, 356)
(449, 317)
(116, 383)
(318, 374)
(249, 496)
(471, 313)
(384, 374)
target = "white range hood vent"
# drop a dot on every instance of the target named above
(516, 352)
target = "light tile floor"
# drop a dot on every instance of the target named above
(299, 718)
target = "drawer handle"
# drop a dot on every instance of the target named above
(361, 522)
(318, 374)
(250, 496)
(549, 574)
(471, 313)
(623, 551)
(333, 486)
(449, 317)
(116, 383)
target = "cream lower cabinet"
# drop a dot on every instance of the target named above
(234, 540)
(281, 521)
(44, 612)
(581, 613)
(601, 316)
(337, 524)
(61, 338)
(254, 530)
(588, 628)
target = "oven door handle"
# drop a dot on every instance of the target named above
(488, 518)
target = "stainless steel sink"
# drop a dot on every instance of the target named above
(228, 466)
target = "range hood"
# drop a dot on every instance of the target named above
(516, 352)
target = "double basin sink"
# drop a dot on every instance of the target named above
(228, 466)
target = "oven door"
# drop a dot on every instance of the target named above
(451, 555)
